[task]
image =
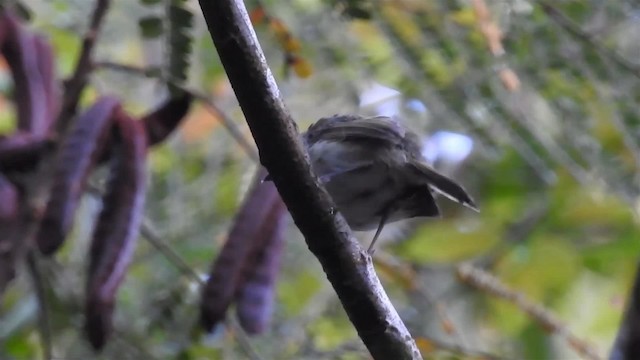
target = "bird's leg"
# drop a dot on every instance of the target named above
(383, 220)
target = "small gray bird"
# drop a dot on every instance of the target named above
(374, 170)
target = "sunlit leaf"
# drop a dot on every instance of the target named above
(295, 293)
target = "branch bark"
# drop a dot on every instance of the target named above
(347, 266)
(627, 343)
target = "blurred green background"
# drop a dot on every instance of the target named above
(540, 124)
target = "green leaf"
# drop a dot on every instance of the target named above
(295, 294)
(151, 27)
(150, 2)
(180, 42)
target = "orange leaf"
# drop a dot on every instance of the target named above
(425, 346)
(257, 15)
(301, 67)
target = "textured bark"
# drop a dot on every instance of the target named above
(347, 266)
(627, 344)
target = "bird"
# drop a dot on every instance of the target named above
(374, 170)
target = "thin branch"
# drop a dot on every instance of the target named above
(149, 234)
(348, 268)
(464, 351)
(210, 105)
(627, 343)
(488, 283)
(44, 323)
(574, 29)
(80, 77)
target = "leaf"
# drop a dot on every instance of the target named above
(426, 346)
(150, 2)
(179, 41)
(117, 228)
(151, 27)
(301, 67)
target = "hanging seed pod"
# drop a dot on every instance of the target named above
(22, 151)
(46, 66)
(21, 52)
(117, 228)
(8, 226)
(78, 155)
(255, 299)
(163, 121)
(243, 242)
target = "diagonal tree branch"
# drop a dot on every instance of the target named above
(347, 266)
(627, 343)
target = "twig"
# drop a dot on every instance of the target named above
(210, 105)
(77, 82)
(407, 277)
(574, 29)
(44, 324)
(149, 234)
(486, 282)
(464, 351)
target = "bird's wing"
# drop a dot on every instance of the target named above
(419, 203)
(443, 184)
(382, 129)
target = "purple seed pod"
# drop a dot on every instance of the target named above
(20, 49)
(117, 229)
(78, 154)
(22, 151)
(163, 121)
(9, 208)
(46, 66)
(255, 299)
(226, 275)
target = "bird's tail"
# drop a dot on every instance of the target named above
(443, 185)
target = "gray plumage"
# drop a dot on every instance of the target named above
(374, 170)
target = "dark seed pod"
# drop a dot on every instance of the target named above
(22, 151)
(226, 275)
(163, 121)
(46, 66)
(117, 228)
(8, 225)
(21, 52)
(255, 300)
(78, 155)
